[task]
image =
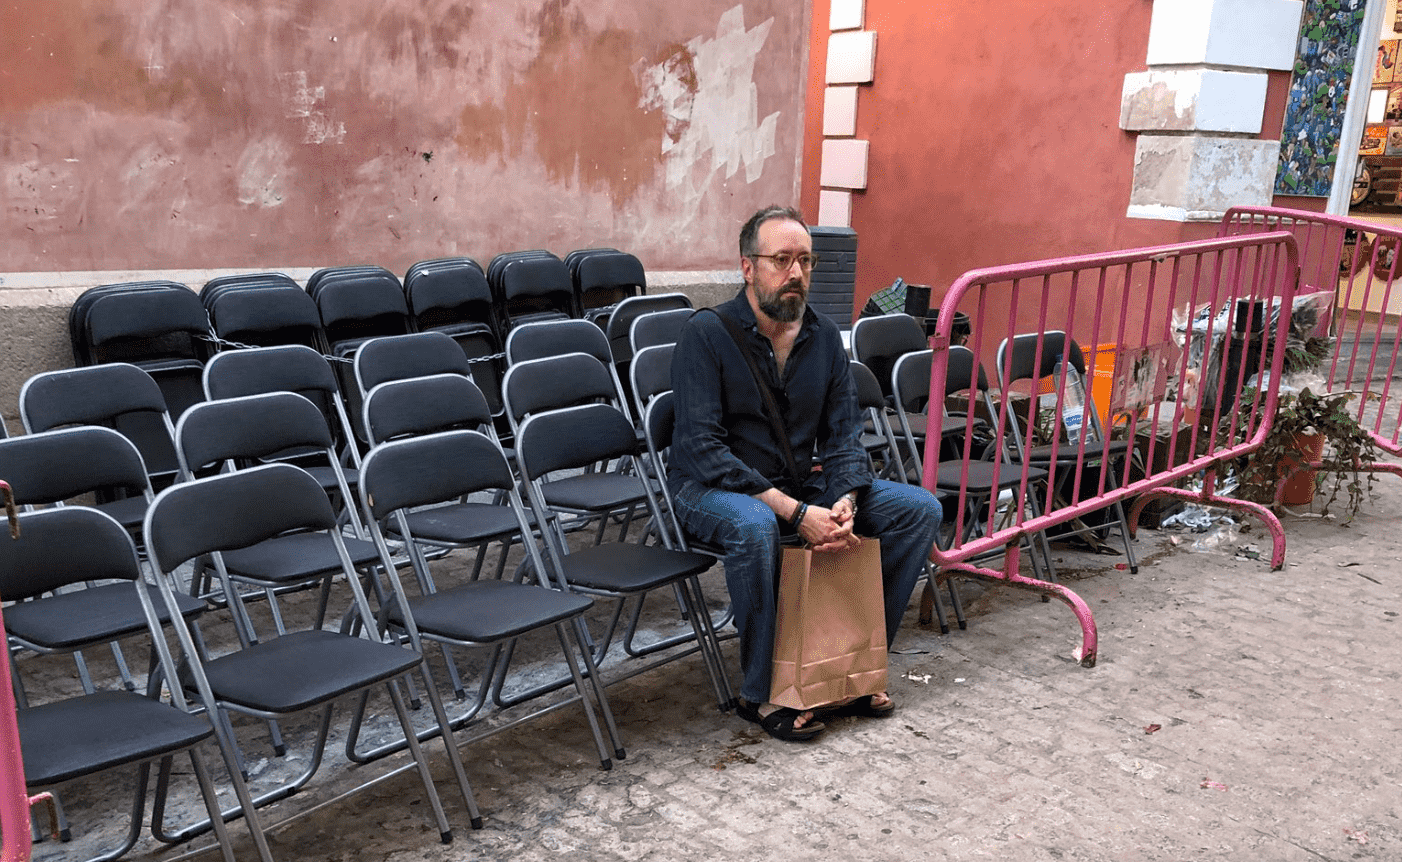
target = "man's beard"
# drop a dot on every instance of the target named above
(783, 306)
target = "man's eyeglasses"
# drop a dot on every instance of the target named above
(783, 261)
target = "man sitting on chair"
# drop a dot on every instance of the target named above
(730, 480)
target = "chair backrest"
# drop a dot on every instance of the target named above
(234, 510)
(93, 395)
(114, 394)
(869, 395)
(284, 368)
(878, 341)
(910, 380)
(424, 405)
(658, 327)
(250, 428)
(398, 357)
(140, 321)
(650, 374)
(359, 304)
(554, 338)
(1018, 357)
(263, 314)
(62, 547)
(621, 320)
(448, 292)
(243, 280)
(431, 469)
(554, 382)
(964, 372)
(604, 277)
(573, 438)
(53, 466)
(532, 285)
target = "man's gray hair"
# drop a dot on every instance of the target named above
(749, 234)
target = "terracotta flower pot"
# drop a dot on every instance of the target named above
(1299, 488)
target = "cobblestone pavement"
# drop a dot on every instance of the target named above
(1235, 713)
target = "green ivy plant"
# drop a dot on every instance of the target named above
(1348, 450)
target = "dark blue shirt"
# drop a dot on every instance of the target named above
(723, 439)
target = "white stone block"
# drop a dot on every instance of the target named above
(852, 57)
(840, 112)
(844, 164)
(1193, 100)
(834, 208)
(1190, 177)
(1255, 34)
(847, 14)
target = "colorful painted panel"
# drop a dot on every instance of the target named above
(1314, 110)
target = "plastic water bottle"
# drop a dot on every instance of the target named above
(1073, 400)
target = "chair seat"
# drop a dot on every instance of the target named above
(88, 734)
(130, 512)
(949, 477)
(593, 492)
(461, 524)
(302, 669)
(1066, 452)
(488, 611)
(622, 567)
(295, 558)
(326, 476)
(68, 621)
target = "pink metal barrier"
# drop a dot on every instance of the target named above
(1173, 337)
(1359, 263)
(15, 838)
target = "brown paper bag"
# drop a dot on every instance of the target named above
(830, 637)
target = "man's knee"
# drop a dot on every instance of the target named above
(753, 523)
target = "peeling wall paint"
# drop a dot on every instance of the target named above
(278, 133)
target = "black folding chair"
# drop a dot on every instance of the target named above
(878, 437)
(657, 327)
(539, 385)
(980, 474)
(530, 286)
(451, 296)
(551, 447)
(289, 368)
(604, 277)
(419, 485)
(357, 304)
(620, 322)
(67, 738)
(159, 326)
(650, 375)
(115, 394)
(1032, 357)
(308, 667)
(238, 433)
(64, 465)
(545, 339)
(261, 310)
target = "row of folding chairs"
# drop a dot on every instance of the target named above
(895, 348)
(170, 330)
(260, 529)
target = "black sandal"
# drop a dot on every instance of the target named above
(861, 707)
(779, 723)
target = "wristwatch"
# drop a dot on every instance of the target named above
(851, 497)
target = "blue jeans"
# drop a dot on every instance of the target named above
(904, 517)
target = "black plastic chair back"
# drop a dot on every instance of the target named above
(877, 342)
(424, 405)
(399, 357)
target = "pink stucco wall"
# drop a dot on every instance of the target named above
(994, 136)
(151, 134)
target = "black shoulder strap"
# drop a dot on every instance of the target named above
(771, 408)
